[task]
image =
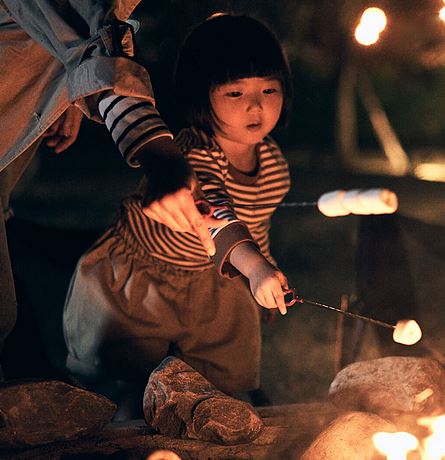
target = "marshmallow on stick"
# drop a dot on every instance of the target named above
(379, 200)
(407, 332)
(330, 204)
(351, 200)
(356, 201)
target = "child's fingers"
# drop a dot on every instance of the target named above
(279, 301)
(283, 280)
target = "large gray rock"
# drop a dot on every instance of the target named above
(391, 386)
(40, 412)
(348, 437)
(178, 401)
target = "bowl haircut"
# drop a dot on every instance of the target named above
(221, 49)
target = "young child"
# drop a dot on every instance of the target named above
(144, 291)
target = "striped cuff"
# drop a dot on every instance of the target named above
(132, 122)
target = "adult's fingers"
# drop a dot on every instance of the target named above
(179, 212)
(157, 211)
(69, 129)
(52, 130)
(197, 221)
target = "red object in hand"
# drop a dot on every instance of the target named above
(291, 298)
(207, 209)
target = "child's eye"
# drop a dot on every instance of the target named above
(270, 91)
(234, 93)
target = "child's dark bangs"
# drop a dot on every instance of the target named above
(244, 64)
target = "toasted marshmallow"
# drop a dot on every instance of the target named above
(407, 332)
(378, 201)
(330, 204)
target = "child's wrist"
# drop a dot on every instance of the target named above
(246, 258)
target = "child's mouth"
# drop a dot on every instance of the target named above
(254, 126)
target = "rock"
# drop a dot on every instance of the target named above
(348, 437)
(178, 401)
(391, 386)
(40, 412)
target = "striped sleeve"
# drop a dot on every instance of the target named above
(211, 169)
(132, 122)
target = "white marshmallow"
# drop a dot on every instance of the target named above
(330, 204)
(379, 201)
(407, 332)
(351, 200)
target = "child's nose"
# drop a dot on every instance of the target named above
(255, 103)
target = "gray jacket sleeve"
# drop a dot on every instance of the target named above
(91, 40)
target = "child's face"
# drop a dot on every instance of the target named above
(247, 109)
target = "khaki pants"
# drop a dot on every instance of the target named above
(125, 313)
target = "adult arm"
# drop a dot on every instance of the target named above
(95, 46)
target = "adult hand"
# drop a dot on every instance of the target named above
(64, 131)
(171, 191)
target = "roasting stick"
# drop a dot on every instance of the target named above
(282, 204)
(406, 332)
(338, 310)
(340, 334)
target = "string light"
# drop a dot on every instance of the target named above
(372, 23)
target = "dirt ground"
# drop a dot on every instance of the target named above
(65, 203)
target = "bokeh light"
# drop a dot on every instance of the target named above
(372, 23)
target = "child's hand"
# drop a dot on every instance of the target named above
(266, 281)
(267, 284)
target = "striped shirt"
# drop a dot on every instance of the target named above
(132, 122)
(222, 185)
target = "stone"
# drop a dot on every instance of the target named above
(348, 437)
(391, 386)
(41, 412)
(179, 401)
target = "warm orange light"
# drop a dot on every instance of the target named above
(434, 445)
(366, 36)
(395, 446)
(442, 13)
(430, 171)
(372, 23)
(374, 18)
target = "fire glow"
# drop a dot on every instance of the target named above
(397, 446)
(372, 23)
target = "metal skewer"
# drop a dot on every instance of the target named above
(296, 298)
(283, 204)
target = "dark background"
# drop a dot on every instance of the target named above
(395, 263)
